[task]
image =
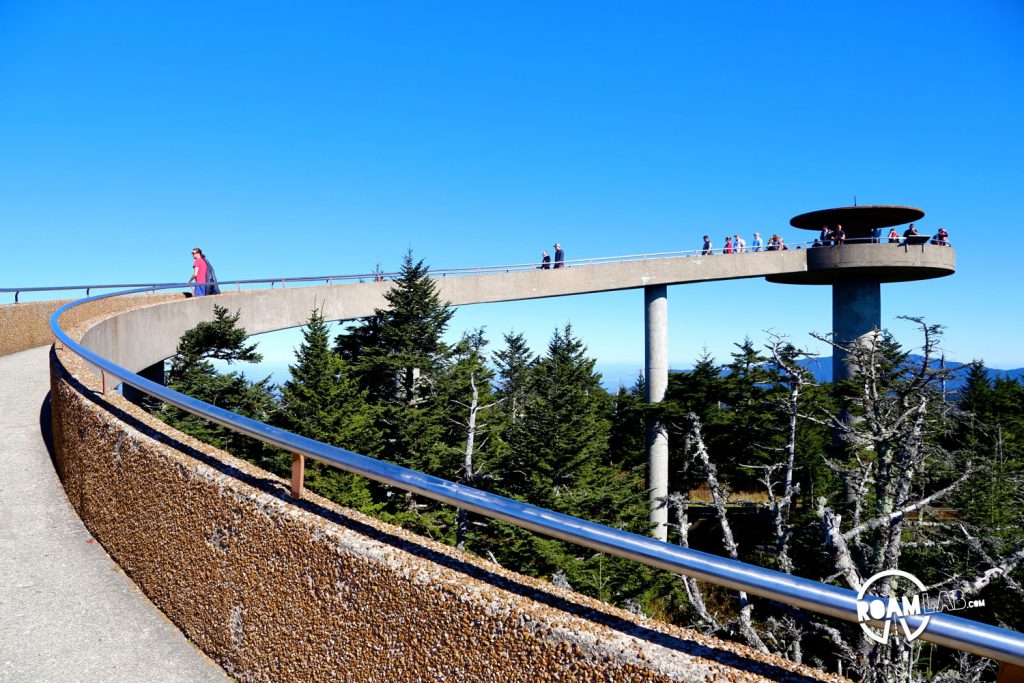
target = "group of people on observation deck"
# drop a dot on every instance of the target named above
(735, 244)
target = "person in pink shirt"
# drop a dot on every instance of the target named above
(198, 272)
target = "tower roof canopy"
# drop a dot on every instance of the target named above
(857, 219)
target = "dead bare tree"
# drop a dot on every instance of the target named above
(892, 471)
(889, 468)
(679, 503)
(470, 475)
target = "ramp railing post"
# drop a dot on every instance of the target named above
(298, 474)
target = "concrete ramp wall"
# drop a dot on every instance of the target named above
(279, 590)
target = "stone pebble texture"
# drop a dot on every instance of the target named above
(27, 325)
(275, 589)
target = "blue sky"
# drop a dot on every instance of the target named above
(292, 139)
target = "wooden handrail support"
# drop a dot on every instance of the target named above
(1009, 673)
(298, 475)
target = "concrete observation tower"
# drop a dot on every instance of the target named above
(857, 268)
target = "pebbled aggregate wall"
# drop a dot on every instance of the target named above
(27, 325)
(276, 590)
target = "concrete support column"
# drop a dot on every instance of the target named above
(656, 381)
(856, 311)
(154, 372)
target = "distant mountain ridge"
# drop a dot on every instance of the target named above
(615, 375)
(821, 366)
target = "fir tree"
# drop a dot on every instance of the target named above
(627, 443)
(323, 402)
(398, 357)
(566, 424)
(556, 456)
(513, 364)
(464, 393)
(191, 373)
(412, 330)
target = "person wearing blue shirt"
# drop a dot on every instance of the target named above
(839, 236)
(559, 256)
(755, 244)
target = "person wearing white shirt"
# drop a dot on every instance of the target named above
(740, 244)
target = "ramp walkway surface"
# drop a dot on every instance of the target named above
(67, 611)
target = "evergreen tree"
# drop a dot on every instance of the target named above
(698, 390)
(465, 368)
(748, 431)
(398, 352)
(556, 456)
(627, 442)
(566, 425)
(399, 357)
(515, 390)
(513, 364)
(412, 330)
(323, 402)
(220, 338)
(464, 393)
(991, 429)
(191, 372)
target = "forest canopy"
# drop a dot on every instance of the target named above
(768, 465)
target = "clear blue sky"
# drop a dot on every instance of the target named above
(291, 139)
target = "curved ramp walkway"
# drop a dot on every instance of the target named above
(67, 612)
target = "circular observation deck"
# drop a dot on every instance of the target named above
(859, 258)
(874, 262)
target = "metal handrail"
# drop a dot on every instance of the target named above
(970, 636)
(436, 272)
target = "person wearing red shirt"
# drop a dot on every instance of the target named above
(198, 272)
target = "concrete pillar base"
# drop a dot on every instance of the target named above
(856, 313)
(656, 382)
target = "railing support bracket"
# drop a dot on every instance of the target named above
(298, 475)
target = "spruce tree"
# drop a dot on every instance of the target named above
(323, 402)
(398, 357)
(411, 331)
(627, 442)
(513, 364)
(744, 433)
(191, 372)
(465, 367)
(556, 456)
(465, 395)
(566, 424)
